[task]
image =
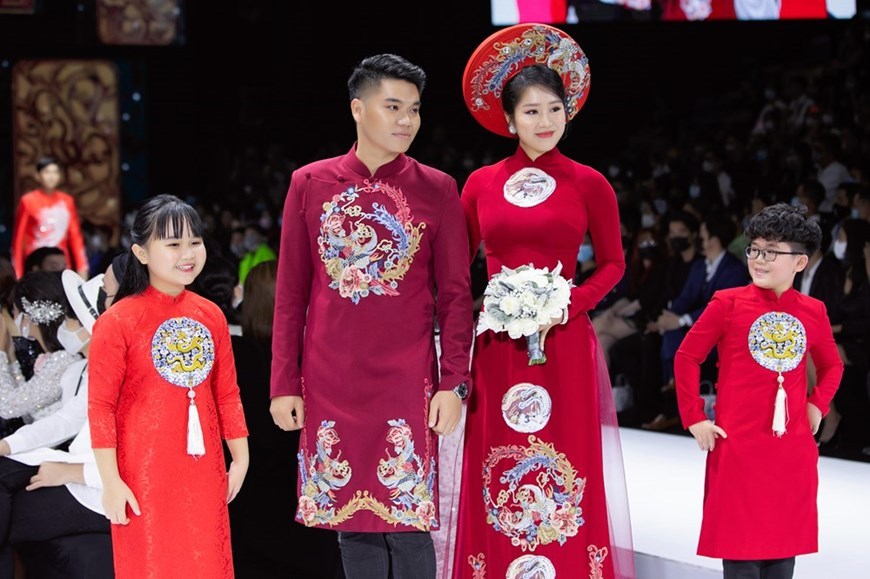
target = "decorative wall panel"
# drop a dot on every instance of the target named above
(68, 109)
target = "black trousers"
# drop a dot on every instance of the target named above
(38, 515)
(409, 555)
(762, 569)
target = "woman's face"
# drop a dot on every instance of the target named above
(540, 119)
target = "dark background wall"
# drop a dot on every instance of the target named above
(254, 73)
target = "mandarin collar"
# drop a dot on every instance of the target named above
(161, 297)
(352, 163)
(769, 296)
(549, 158)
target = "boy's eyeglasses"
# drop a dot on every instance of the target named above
(767, 254)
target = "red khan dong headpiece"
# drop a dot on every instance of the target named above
(503, 54)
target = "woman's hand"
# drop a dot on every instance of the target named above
(545, 329)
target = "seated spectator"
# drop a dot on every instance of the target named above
(850, 322)
(40, 309)
(262, 518)
(645, 347)
(257, 250)
(48, 493)
(644, 297)
(719, 270)
(45, 259)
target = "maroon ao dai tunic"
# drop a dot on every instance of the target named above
(147, 353)
(361, 259)
(760, 490)
(533, 499)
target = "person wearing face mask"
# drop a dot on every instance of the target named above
(850, 322)
(41, 309)
(49, 484)
(256, 250)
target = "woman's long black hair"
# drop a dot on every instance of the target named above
(161, 217)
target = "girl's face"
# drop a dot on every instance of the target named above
(173, 262)
(540, 121)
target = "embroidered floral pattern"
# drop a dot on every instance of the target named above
(182, 351)
(411, 481)
(322, 475)
(531, 567)
(528, 187)
(596, 560)
(541, 501)
(478, 566)
(526, 407)
(367, 252)
(778, 341)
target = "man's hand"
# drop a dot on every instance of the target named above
(283, 409)
(55, 474)
(668, 321)
(706, 433)
(445, 410)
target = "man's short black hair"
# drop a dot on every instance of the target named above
(721, 226)
(374, 69)
(44, 162)
(35, 258)
(686, 218)
(786, 223)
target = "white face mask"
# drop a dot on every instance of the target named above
(23, 329)
(840, 249)
(70, 340)
(647, 220)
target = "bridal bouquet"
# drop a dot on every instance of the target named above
(519, 301)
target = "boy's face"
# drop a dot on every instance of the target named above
(50, 177)
(387, 117)
(777, 275)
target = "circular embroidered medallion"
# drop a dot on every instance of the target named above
(368, 239)
(529, 187)
(531, 567)
(778, 341)
(182, 351)
(532, 494)
(526, 407)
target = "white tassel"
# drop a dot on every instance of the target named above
(195, 444)
(779, 409)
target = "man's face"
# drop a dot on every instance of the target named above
(387, 117)
(50, 177)
(54, 263)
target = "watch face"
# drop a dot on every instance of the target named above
(461, 390)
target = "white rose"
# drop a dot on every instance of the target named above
(510, 305)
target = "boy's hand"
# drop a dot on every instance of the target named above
(706, 433)
(815, 416)
(445, 411)
(282, 409)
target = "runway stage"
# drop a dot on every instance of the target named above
(665, 479)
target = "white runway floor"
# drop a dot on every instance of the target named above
(665, 479)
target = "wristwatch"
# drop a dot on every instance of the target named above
(461, 390)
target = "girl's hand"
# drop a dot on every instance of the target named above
(116, 496)
(235, 478)
(706, 433)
